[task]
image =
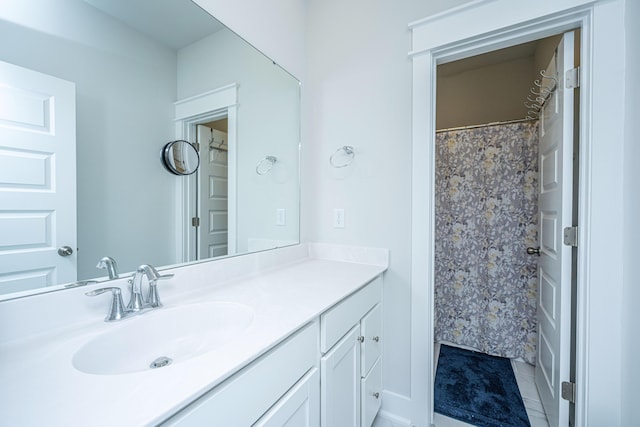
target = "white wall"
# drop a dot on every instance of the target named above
(357, 92)
(267, 123)
(275, 27)
(631, 291)
(119, 132)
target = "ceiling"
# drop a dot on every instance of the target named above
(175, 23)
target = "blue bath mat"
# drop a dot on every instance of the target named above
(478, 389)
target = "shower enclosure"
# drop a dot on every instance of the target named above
(486, 217)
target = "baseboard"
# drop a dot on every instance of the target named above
(385, 418)
(395, 409)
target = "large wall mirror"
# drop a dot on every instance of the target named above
(91, 91)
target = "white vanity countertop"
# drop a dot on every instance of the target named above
(40, 386)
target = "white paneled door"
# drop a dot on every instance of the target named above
(555, 213)
(213, 234)
(37, 180)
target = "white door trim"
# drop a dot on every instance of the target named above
(190, 112)
(482, 26)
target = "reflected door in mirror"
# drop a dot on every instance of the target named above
(213, 234)
(37, 180)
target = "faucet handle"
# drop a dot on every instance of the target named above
(154, 297)
(116, 311)
(136, 301)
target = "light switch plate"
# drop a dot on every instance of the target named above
(338, 218)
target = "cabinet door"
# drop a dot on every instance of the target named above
(371, 394)
(372, 338)
(340, 383)
(300, 407)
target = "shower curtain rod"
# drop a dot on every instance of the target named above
(507, 122)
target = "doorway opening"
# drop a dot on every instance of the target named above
(212, 236)
(206, 215)
(499, 117)
(480, 27)
(207, 220)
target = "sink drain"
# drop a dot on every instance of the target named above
(161, 362)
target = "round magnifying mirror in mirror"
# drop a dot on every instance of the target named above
(180, 157)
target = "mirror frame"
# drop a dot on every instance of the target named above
(168, 159)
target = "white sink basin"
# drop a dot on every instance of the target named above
(165, 335)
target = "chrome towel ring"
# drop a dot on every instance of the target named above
(342, 157)
(265, 165)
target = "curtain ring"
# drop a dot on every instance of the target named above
(545, 76)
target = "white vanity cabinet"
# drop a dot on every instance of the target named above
(326, 374)
(350, 367)
(309, 353)
(280, 388)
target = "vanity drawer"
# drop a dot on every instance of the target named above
(371, 394)
(371, 330)
(246, 396)
(337, 321)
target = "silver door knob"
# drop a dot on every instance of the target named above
(376, 395)
(361, 338)
(376, 339)
(533, 251)
(65, 251)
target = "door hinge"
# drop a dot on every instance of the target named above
(569, 391)
(572, 78)
(195, 222)
(571, 236)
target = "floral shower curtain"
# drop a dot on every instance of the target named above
(486, 217)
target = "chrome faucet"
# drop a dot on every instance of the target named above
(137, 303)
(110, 265)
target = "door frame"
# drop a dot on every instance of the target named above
(482, 26)
(189, 112)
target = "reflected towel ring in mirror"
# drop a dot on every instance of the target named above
(265, 165)
(342, 157)
(180, 157)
